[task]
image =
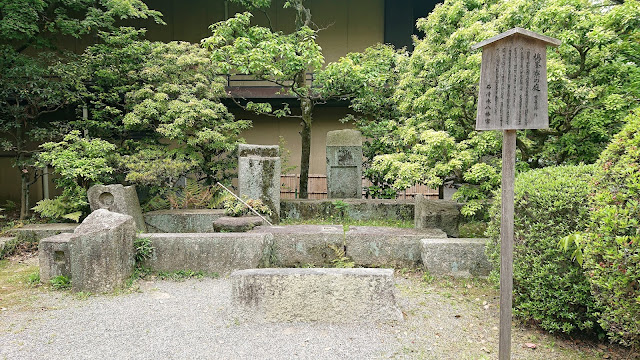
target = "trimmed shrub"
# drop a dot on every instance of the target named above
(550, 289)
(612, 252)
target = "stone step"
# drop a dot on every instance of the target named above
(37, 232)
(314, 295)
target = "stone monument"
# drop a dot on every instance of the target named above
(259, 175)
(344, 164)
(117, 198)
(101, 252)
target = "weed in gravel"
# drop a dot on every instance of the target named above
(427, 278)
(60, 282)
(82, 295)
(144, 249)
(34, 278)
(185, 274)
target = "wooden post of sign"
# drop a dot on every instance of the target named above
(506, 241)
(513, 95)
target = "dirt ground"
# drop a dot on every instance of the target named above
(445, 318)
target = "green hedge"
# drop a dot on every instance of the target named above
(550, 289)
(612, 251)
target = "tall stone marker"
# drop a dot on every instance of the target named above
(344, 164)
(101, 252)
(117, 198)
(259, 175)
(513, 95)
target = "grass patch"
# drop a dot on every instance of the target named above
(17, 281)
(349, 222)
(60, 282)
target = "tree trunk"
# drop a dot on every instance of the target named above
(24, 201)
(305, 134)
(24, 177)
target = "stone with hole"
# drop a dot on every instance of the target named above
(117, 198)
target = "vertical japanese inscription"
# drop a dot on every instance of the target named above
(495, 85)
(537, 59)
(504, 55)
(521, 83)
(526, 88)
(508, 87)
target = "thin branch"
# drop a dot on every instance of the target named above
(244, 107)
(268, 18)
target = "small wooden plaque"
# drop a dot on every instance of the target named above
(513, 81)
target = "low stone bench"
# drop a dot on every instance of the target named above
(310, 295)
(457, 257)
(182, 220)
(387, 247)
(215, 252)
(301, 245)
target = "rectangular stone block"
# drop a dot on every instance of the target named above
(102, 253)
(182, 220)
(259, 175)
(302, 245)
(359, 209)
(54, 257)
(314, 295)
(387, 247)
(457, 257)
(440, 214)
(217, 252)
(344, 164)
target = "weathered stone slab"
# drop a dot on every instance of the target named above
(358, 209)
(304, 245)
(344, 164)
(457, 257)
(117, 198)
(440, 214)
(216, 252)
(314, 295)
(236, 224)
(387, 247)
(3, 243)
(182, 220)
(37, 232)
(259, 175)
(102, 253)
(54, 257)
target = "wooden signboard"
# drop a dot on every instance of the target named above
(513, 95)
(513, 81)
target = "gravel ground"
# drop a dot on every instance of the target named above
(191, 319)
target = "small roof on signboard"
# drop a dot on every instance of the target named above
(517, 30)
